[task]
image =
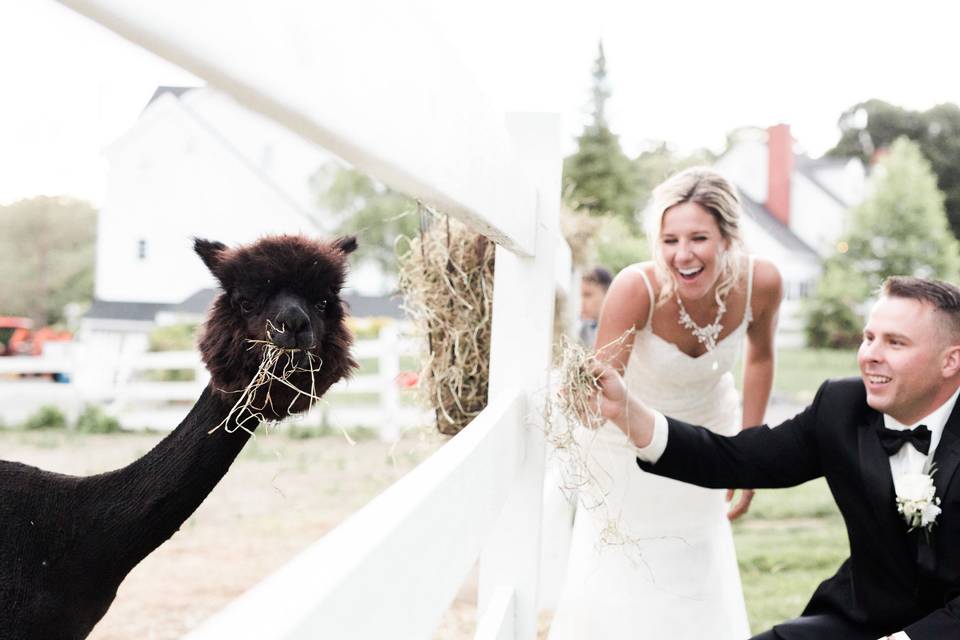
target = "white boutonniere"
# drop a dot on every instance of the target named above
(916, 501)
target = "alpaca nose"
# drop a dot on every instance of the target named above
(294, 329)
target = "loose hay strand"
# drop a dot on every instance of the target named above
(246, 409)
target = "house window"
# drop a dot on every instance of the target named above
(793, 290)
(142, 249)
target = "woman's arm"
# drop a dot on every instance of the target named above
(759, 361)
(625, 306)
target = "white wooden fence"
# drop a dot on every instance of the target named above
(369, 81)
(124, 386)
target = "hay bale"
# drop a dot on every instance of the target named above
(446, 278)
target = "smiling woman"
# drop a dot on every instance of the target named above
(674, 328)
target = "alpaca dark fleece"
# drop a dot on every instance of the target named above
(66, 543)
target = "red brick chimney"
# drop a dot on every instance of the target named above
(779, 171)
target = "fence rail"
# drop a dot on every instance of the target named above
(421, 527)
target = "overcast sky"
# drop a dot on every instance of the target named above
(685, 72)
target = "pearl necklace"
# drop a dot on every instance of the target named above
(706, 335)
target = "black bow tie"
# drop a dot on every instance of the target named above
(892, 439)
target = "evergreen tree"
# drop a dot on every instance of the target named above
(599, 177)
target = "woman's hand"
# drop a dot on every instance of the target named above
(742, 506)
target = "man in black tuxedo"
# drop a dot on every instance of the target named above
(900, 417)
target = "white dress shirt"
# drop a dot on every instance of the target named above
(906, 460)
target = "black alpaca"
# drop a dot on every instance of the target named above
(66, 543)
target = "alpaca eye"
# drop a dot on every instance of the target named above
(321, 306)
(245, 305)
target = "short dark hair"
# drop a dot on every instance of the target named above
(944, 296)
(600, 276)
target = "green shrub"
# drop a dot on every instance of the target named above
(174, 337)
(619, 246)
(95, 420)
(304, 432)
(46, 417)
(169, 375)
(832, 321)
(358, 433)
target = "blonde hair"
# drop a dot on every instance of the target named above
(714, 193)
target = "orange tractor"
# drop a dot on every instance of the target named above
(18, 337)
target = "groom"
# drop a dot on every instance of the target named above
(900, 417)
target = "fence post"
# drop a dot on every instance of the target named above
(523, 303)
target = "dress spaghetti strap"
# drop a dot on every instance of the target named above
(748, 312)
(653, 301)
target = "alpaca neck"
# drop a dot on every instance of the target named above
(146, 502)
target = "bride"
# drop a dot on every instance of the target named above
(671, 570)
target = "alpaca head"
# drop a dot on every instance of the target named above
(280, 298)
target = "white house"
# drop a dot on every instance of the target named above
(797, 208)
(197, 164)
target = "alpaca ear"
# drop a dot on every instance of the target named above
(346, 244)
(210, 251)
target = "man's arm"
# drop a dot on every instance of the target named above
(762, 457)
(942, 623)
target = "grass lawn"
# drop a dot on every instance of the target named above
(801, 371)
(791, 540)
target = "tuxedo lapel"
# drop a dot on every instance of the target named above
(947, 455)
(875, 469)
(878, 485)
(944, 465)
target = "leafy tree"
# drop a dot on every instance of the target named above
(599, 177)
(873, 125)
(901, 228)
(368, 209)
(47, 248)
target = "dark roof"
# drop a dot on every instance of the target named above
(774, 227)
(112, 310)
(198, 303)
(809, 167)
(374, 306)
(360, 307)
(176, 91)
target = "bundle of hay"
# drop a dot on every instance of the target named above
(446, 278)
(580, 230)
(570, 407)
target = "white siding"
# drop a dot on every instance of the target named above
(174, 177)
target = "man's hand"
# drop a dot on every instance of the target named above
(742, 506)
(616, 404)
(613, 392)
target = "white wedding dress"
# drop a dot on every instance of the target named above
(653, 558)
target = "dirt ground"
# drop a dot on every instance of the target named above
(281, 495)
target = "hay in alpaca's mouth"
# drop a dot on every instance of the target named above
(278, 365)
